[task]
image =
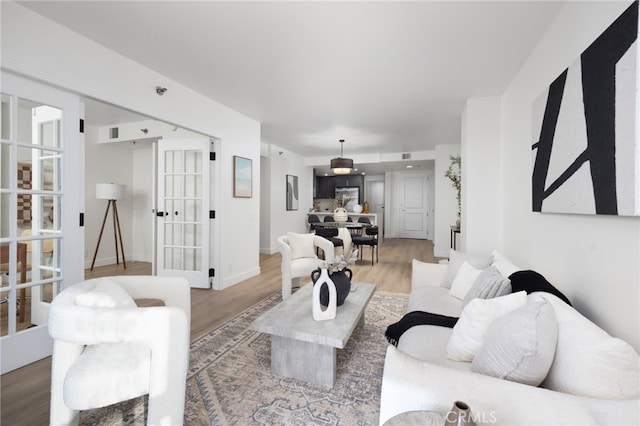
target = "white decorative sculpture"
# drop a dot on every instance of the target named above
(330, 312)
(340, 215)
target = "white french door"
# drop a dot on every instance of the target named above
(184, 192)
(41, 193)
(413, 206)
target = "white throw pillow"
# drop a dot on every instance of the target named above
(588, 361)
(106, 294)
(456, 259)
(467, 275)
(489, 284)
(301, 245)
(503, 265)
(520, 345)
(476, 318)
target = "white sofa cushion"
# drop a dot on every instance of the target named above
(428, 274)
(520, 345)
(301, 245)
(588, 361)
(476, 318)
(429, 343)
(456, 259)
(467, 275)
(106, 294)
(489, 284)
(435, 300)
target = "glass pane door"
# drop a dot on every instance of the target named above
(34, 136)
(31, 188)
(183, 187)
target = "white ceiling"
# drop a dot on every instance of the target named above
(384, 76)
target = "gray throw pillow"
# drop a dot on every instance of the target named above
(456, 259)
(520, 345)
(489, 284)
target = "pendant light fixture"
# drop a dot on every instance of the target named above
(341, 166)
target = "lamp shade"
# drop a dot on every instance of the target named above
(341, 166)
(110, 191)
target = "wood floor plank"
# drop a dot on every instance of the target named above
(25, 392)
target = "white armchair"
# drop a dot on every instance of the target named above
(293, 268)
(107, 350)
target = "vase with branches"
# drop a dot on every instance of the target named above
(454, 174)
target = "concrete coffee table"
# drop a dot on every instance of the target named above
(303, 348)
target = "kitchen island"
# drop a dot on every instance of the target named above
(373, 218)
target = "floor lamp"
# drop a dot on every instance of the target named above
(111, 192)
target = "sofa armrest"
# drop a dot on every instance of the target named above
(423, 274)
(410, 384)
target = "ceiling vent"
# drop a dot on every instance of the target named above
(113, 133)
(406, 156)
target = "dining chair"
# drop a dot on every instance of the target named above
(365, 221)
(312, 219)
(24, 266)
(330, 234)
(369, 239)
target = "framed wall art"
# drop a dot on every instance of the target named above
(242, 177)
(292, 192)
(585, 142)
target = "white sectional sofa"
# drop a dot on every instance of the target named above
(587, 376)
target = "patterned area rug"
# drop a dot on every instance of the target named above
(230, 382)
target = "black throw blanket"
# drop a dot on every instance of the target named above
(529, 281)
(394, 331)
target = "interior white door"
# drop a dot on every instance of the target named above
(41, 197)
(413, 206)
(183, 210)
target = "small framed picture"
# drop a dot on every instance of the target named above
(242, 177)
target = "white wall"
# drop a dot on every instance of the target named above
(283, 221)
(265, 204)
(106, 164)
(72, 62)
(142, 198)
(445, 201)
(594, 260)
(480, 216)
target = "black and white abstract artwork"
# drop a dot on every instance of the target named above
(586, 155)
(292, 192)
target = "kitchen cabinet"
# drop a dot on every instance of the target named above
(350, 180)
(326, 185)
